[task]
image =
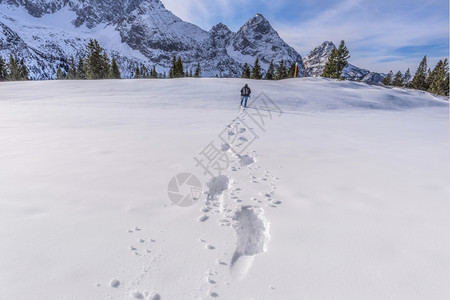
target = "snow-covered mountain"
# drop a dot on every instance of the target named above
(47, 33)
(315, 63)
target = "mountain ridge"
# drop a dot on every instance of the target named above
(48, 33)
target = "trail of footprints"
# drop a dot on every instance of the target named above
(145, 249)
(236, 199)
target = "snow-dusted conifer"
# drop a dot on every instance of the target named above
(80, 73)
(291, 71)
(420, 78)
(23, 71)
(13, 69)
(114, 72)
(438, 85)
(337, 61)
(256, 70)
(406, 78)
(59, 73)
(72, 72)
(137, 73)
(3, 71)
(281, 72)
(197, 72)
(270, 72)
(388, 79)
(398, 79)
(245, 71)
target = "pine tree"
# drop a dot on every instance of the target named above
(270, 72)
(13, 69)
(406, 78)
(198, 71)
(179, 70)
(343, 56)
(72, 72)
(388, 79)
(106, 67)
(173, 67)
(291, 71)
(114, 72)
(97, 62)
(137, 73)
(419, 81)
(439, 85)
(256, 70)
(80, 73)
(23, 71)
(3, 71)
(447, 85)
(429, 79)
(330, 69)
(281, 72)
(59, 74)
(176, 70)
(337, 61)
(398, 79)
(245, 71)
(144, 72)
(153, 73)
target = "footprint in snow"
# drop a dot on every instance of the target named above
(114, 283)
(252, 238)
(246, 160)
(203, 218)
(136, 294)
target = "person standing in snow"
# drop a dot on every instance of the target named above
(245, 93)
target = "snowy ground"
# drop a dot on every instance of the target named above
(343, 196)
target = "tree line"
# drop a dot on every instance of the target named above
(177, 70)
(13, 70)
(435, 81)
(337, 61)
(282, 72)
(97, 65)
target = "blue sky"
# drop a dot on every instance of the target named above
(381, 35)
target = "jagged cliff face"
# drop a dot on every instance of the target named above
(315, 64)
(47, 33)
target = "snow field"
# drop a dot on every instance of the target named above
(345, 195)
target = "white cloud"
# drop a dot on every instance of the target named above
(372, 36)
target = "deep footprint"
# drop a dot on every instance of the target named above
(252, 234)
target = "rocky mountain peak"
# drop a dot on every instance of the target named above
(258, 25)
(220, 27)
(257, 38)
